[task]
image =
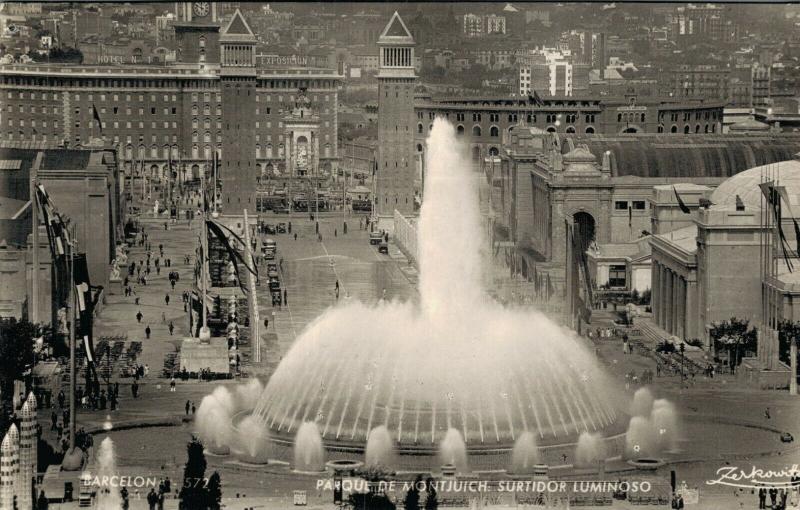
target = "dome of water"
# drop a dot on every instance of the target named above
(455, 360)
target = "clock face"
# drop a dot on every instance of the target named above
(201, 9)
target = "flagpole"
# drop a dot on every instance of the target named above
(72, 374)
(35, 228)
(204, 331)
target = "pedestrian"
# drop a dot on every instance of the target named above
(285, 299)
(139, 313)
(135, 389)
(172, 282)
(163, 318)
(335, 233)
(172, 384)
(147, 331)
(188, 405)
(766, 413)
(146, 369)
(171, 328)
(53, 420)
(166, 299)
(193, 409)
(152, 499)
(266, 323)
(295, 236)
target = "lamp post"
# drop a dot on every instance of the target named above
(683, 357)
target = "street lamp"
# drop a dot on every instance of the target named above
(683, 357)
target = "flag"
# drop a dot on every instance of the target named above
(234, 256)
(796, 236)
(96, 116)
(254, 268)
(681, 204)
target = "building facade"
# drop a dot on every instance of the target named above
(396, 154)
(154, 113)
(484, 121)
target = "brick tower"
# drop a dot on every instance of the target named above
(238, 83)
(394, 187)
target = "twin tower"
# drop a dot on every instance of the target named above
(18, 460)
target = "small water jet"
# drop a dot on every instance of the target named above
(642, 402)
(525, 454)
(213, 422)
(664, 419)
(453, 451)
(309, 455)
(380, 450)
(252, 443)
(640, 440)
(590, 450)
(108, 497)
(247, 394)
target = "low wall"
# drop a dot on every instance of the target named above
(405, 237)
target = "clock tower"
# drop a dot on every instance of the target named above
(196, 33)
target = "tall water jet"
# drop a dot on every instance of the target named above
(642, 402)
(460, 360)
(525, 454)
(664, 419)
(108, 497)
(380, 450)
(640, 440)
(309, 456)
(453, 451)
(252, 441)
(590, 450)
(213, 422)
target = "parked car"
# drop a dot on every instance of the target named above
(787, 437)
(375, 238)
(383, 247)
(280, 228)
(269, 229)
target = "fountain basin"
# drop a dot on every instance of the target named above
(343, 465)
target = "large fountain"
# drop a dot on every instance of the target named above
(456, 361)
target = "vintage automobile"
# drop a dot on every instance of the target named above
(786, 437)
(280, 228)
(274, 283)
(269, 254)
(383, 247)
(269, 229)
(375, 238)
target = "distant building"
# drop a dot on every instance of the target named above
(701, 81)
(495, 24)
(473, 25)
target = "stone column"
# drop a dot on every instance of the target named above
(682, 307)
(654, 290)
(662, 295)
(27, 452)
(9, 467)
(693, 329)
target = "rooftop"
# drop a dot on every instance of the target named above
(746, 185)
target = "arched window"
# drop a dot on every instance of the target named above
(207, 152)
(207, 137)
(589, 130)
(673, 129)
(195, 152)
(165, 151)
(551, 129)
(258, 151)
(706, 128)
(494, 131)
(219, 109)
(697, 128)
(194, 136)
(129, 152)
(194, 123)
(327, 150)
(493, 151)
(174, 152)
(194, 109)
(570, 129)
(460, 130)
(476, 131)
(141, 151)
(419, 128)
(419, 147)
(642, 117)
(619, 117)
(280, 150)
(269, 150)
(686, 129)
(202, 41)
(206, 110)
(206, 123)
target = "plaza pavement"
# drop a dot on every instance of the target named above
(309, 277)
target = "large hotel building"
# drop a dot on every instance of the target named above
(184, 111)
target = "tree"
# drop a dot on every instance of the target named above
(194, 493)
(411, 501)
(736, 337)
(788, 332)
(214, 488)
(431, 500)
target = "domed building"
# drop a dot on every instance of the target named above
(728, 261)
